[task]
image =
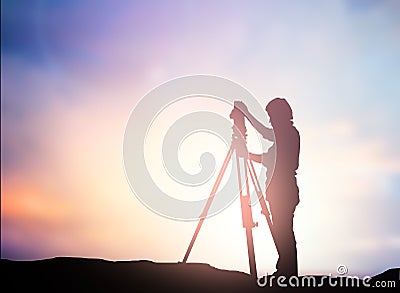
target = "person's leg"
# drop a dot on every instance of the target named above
(277, 231)
(282, 218)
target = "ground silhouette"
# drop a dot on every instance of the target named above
(64, 274)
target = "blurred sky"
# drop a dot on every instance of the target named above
(71, 71)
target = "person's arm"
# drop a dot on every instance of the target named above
(255, 157)
(268, 158)
(266, 132)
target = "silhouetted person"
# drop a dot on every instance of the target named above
(282, 192)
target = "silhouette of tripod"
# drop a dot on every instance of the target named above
(243, 162)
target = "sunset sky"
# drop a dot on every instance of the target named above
(72, 71)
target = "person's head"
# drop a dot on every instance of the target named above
(279, 111)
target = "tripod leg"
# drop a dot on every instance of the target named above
(247, 218)
(263, 204)
(250, 252)
(209, 201)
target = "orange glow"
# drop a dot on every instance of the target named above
(32, 204)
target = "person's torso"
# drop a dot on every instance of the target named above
(283, 184)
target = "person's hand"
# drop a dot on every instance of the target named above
(242, 107)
